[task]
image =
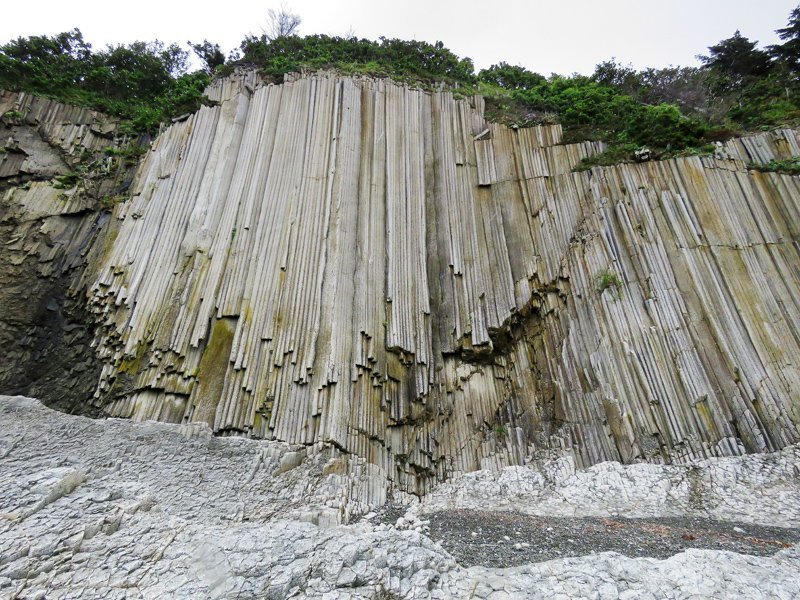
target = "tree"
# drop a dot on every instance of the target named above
(616, 74)
(210, 54)
(789, 51)
(686, 87)
(138, 70)
(41, 64)
(737, 59)
(511, 77)
(143, 83)
(281, 23)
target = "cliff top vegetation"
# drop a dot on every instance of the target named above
(738, 88)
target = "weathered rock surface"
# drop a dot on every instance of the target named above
(761, 489)
(114, 509)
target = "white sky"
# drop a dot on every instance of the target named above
(561, 36)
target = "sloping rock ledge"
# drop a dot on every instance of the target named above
(114, 509)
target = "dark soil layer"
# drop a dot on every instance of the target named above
(504, 539)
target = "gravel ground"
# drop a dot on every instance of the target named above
(506, 539)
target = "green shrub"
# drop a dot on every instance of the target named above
(67, 181)
(607, 279)
(500, 432)
(143, 83)
(109, 202)
(403, 60)
(671, 111)
(12, 115)
(510, 77)
(790, 166)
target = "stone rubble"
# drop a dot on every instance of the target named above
(114, 509)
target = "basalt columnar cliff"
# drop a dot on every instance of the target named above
(354, 263)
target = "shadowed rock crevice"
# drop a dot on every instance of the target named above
(47, 331)
(58, 176)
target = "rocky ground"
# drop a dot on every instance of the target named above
(111, 509)
(503, 539)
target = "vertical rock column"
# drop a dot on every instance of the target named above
(355, 262)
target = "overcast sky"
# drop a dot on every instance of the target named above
(561, 36)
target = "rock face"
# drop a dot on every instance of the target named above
(356, 262)
(377, 268)
(96, 509)
(57, 163)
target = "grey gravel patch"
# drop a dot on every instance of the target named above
(506, 539)
(390, 512)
